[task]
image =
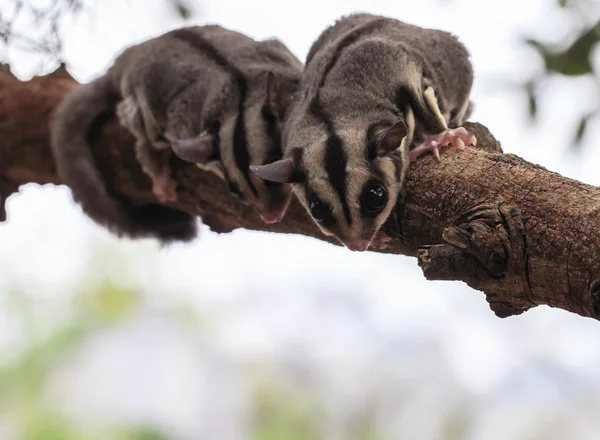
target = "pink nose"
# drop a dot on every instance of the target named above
(271, 217)
(357, 245)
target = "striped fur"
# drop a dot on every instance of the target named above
(249, 130)
(202, 83)
(363, 108)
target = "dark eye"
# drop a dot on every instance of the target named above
(321, 213)
(374, 198)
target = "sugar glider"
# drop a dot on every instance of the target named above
(372, 89)
(209, 95)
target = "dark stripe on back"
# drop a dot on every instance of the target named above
(428, 119)
(346, 41)
(214, 128)
(273, 136)
(240, 143)
(274, 151)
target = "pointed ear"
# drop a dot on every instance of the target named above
(195, 150)
(391, 138)
(279, 94)
(281, 171)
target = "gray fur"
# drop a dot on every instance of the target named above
(181, 86)
(362, 75)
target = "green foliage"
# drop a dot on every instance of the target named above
(531, 100)
(182, 9)
(287, 413)
(111, 303)
(48, 426)
(283, 415)
(581, 128)
(573, 60)
(141, 433)
(23, 378)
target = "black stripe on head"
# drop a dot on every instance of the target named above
(335, 157)
(335, 166)
(240, 143)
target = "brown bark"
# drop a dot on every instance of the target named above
(521, 234)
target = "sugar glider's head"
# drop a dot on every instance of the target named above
(347, 176)
(249, 135)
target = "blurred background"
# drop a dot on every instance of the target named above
(256, 336)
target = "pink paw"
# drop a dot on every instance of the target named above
(165, 189)
(457, 137)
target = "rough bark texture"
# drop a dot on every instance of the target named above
(521, 234)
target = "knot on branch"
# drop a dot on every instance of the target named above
(486, 243)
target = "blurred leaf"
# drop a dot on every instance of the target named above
(532, 102)
(142, 433)
(573, 61)
(581, 128)
(112, 303)
(182, 9)
(26, 375)
(563, 3)
(48, 427)
(282, 415)
(456, 425)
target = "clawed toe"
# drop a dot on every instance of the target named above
(458, 138)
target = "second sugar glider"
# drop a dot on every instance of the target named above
(373, 88)
(212, 96)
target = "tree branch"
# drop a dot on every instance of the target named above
(521, 234)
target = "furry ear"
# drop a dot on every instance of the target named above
(281, 171)
(279, 94)
(195, 150)
(390, 139)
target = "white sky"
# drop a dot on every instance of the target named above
(279, 290)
